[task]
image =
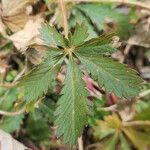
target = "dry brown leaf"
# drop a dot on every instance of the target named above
(14, 7)
(28, 35)
(126, 109)
(14, 13)
(16, 23)
(35, 54)
(142, 34)
(2, 27)
(3, 68)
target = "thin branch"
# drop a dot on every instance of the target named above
(14, 83)
(144, 93)
(110, 108)
(5, 113)
(8, 85)
(80, 143)
(93, 146)
(62, 6)
(126, 2)
(137, 123)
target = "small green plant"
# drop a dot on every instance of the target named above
(93, 57)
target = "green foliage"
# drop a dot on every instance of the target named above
(11, 124)
(50, 36)
(97, 115)
(11, 76)
(39, 80)
(39, 120)
(79, 36)
(78, 17)
(124, 142)
(48, 1)
(37, 128)
(7, 98)
(72, 107)
(100, 14)
(72, 110)
(99, 45)
(47, 108)
(144, 115)
(113, 132)
(110, 143)
(113, 76)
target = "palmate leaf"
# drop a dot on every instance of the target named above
(125, 136)
(72, 110)
(79, 36)
(101, 14)
(100, 45)
(72, 106)
(115, 77)
(39, 80)
(51, 36)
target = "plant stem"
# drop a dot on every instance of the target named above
(137, 123)
(144, 93)
(80, 143)
(126, 2)
(5, 113)
(62, 6)
(112, 108)
(8, 85)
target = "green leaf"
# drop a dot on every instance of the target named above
(78, 17)
(38, 129)
(115, 77)
(100, 45)
(140, 139)
(80, 35)
(7, 98)
(102, 129)
(39, 80)
(72, 106)
(124, 143)
(47, 108)
(51, 36)
(110, 143)
(144, 115)
(101, 14)
(11, 124)
(48, 1)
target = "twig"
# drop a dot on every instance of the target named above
(62, 6)
(144, 93)
(14, 83)
(110, 108)
(93, 146)
(8, 85)
(5, 113)
(80, 143)
(126, 2)
(136, 123)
